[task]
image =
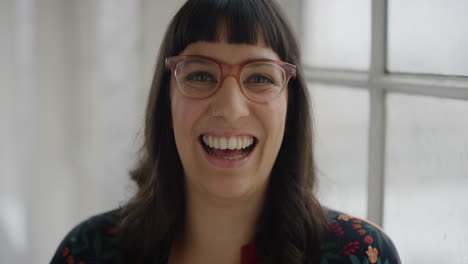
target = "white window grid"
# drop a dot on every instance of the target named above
(379, 82)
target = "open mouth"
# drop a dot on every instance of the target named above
(230, 148)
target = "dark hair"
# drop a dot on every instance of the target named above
(292, 223)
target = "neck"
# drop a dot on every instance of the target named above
(217, 228)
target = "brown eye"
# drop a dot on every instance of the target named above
(259, 79)
(200, 77)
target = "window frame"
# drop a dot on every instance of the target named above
(380, 82)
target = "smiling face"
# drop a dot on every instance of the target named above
(227, 143)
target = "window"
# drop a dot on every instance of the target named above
(342, 156)
(391, 81)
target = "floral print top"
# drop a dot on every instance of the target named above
(350, 240)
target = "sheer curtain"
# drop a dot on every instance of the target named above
(73, 79)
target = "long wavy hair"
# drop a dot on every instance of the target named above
(292, 224)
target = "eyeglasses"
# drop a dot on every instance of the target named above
(200, 77)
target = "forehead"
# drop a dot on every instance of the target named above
(231, 53)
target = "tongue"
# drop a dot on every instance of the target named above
(227, 152)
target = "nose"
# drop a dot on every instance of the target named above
(229, 102)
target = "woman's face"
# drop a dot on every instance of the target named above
(227, 117)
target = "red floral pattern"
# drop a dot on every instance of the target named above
(112, 230)
(362, 232)
(369, 240)
(336, 228)
(350, 240)
(363, 242)
(351, 247)
(66, 251)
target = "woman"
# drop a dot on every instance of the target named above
(227, 171)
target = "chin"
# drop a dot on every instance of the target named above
(231, 186)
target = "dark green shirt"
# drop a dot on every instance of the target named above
(350, 240)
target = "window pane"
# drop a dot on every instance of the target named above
(337, 34)
(426, 209)
(428, 36)
(341, 124)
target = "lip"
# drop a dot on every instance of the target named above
(221, 162)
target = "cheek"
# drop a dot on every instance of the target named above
(276, 118)
(181, 114)
(273, 117)
(182, 122)
(185, 114)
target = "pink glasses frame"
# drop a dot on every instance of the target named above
(233, 70)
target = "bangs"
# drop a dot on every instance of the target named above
(239, 21)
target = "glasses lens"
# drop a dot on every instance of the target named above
(262, 81)
(197, 77)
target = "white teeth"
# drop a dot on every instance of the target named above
(239, 144)
(223, 143)
(231, 143)
(215, 143)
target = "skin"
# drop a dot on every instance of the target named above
(223, 203)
